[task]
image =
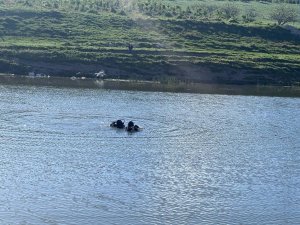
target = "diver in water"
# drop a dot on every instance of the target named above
(118, 124)
(132, 127)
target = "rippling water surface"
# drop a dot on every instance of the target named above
(201, 159)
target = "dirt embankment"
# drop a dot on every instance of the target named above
(187, 72)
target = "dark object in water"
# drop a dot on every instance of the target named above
(131, 127)
(118, 124)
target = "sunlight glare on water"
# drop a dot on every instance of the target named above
(200, 159)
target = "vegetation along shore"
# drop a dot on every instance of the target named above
(208, 41)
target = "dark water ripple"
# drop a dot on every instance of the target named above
(200, 159)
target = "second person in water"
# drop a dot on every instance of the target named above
(132, 127)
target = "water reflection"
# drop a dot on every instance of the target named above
(284, 91)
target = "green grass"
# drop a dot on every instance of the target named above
(32, 34)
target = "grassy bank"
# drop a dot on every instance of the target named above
(63, 40)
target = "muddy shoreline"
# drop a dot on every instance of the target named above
(175, 72)
(140, 85)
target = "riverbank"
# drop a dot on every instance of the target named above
(138, 85)
(187, 72)
(57, 42)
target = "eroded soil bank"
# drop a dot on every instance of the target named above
(138, 85)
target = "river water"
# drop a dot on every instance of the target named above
(200, 159)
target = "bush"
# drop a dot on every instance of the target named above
(283, 14)
(250, 15)
(229, 11)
